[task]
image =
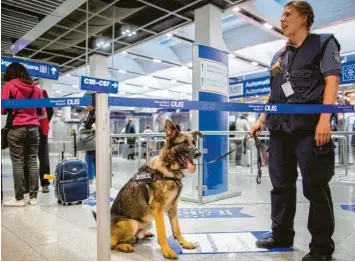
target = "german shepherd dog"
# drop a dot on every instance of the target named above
(132, 213)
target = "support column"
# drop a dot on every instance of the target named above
(98, 69)
(210, 83)
(46, 84)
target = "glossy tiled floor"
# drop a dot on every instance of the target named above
(52, 232)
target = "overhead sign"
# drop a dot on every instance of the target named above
(211, 212)
(224, 242)
(99, 85)
(251, 87)
(348, 73)
(34, 68)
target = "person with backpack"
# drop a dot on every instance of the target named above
(22, 131)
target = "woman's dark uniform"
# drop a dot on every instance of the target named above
(292, 142)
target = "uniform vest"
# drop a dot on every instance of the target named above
(304, 67)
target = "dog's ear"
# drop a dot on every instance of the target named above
(170, 129)
(196, 133)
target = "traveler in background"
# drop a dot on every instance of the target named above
(90, 157)
(305, 71)
(24, 130)
(43, 153)
(242, 125)
(147, 130)
(131, 141)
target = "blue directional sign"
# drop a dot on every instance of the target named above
(34, 68)
(250, 87)
(348, 73)
(99, 85)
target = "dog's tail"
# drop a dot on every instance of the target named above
(94, 214)
(113, 216)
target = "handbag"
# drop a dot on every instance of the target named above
(86, 140)
(10, 118)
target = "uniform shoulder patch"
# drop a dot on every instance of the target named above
(336, 56)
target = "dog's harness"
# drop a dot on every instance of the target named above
(146, 176)
(259, 160)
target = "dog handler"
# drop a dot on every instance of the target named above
(305, 71)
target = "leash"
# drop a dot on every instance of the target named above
(259, 159)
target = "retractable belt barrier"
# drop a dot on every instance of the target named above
(181, 104)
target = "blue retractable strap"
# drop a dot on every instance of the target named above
(181, 104)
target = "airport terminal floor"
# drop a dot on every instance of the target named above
(50, 231)
(93, 84)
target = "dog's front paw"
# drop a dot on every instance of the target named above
(169, 253)
(188, 245)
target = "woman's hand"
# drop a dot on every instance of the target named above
(256, 128)
(322, 132)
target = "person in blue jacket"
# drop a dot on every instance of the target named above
(305, 71)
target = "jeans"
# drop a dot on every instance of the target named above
(90, 159)
(20, 138)
(43, 156)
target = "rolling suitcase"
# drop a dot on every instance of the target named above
(71, 180)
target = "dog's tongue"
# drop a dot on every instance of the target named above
(191, 167)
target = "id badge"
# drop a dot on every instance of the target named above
(287, 88)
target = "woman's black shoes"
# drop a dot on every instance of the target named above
(271, 242)
(314, 256)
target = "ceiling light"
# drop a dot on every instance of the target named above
(156, 60)
(123, 33)
(124, 53)
(59, 111)
(254, 63)
(122, 71)
(236, 9)
(231, 55)
(128, 31)
(75, 86)
(134, 32)
(129, 34)
(173, 81)
(267, 25)
(169, 35)
(145, 87)
(58, 91)
(68, 75)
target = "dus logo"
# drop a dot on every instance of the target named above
(270, 108)
(73, 102)
(177, 104)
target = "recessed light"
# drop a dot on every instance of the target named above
(156, 60)
(236, 9)
(254, 63)
(267, 25)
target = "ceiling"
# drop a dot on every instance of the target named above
(55, 31)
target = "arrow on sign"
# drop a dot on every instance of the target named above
(115, 85)
(53, 70)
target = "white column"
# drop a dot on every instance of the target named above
(208, 27)
(46, 84)
(210, 83)
(98, 69)
(98, 66)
